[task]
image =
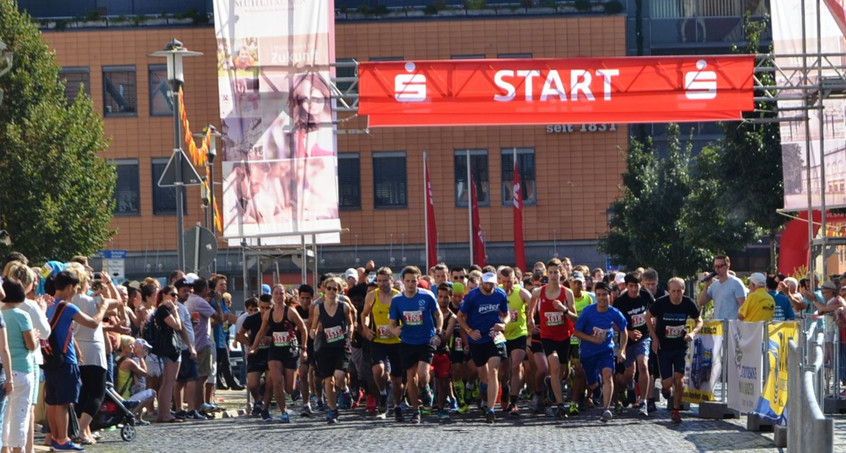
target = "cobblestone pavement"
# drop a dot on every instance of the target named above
(466, 433)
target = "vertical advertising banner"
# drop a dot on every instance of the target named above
(773, 399)
(745, 365)
(279, 161)
(703, 364)
(830, 124)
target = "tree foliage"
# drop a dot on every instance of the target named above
(679, 211)
(647, 227)
(56, 194)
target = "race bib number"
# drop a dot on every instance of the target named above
(384, 332)
(638, 320)
(195, 318)
(282, 339)
(601, 333)
(458, 346)
(554, 318)
(674, 331)
(334, 334)
(498, 337)
(412, 318)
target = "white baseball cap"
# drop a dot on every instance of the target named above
(489, 277)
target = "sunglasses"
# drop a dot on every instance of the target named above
(719, 266)
(172, 294)
(459, 277)
(332, 288)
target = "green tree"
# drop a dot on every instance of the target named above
(647, 227)
(56, 193)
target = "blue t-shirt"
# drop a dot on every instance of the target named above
(783, 307)
(63, 329)
(18, 322)
(484, 311)
(220, 335)
(598, 324)
(416, 315)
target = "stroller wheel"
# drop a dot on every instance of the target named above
(128, 433)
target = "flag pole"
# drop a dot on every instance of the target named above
(426, 207)
(470, 206)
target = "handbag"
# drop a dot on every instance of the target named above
(54, 354)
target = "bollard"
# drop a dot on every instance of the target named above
(807, 427)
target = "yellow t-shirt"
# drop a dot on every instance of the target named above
(759, 306)
(381, 320)
(516, 326)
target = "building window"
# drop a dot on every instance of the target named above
(345, 79)
(127, 194)
(471, 56)
(390, 188)
(526, 165)
(120, 94)
(514, 55)
(75, 77)
(386, 58)
(479, 172)
(164, 198)
(161, 103)
(349, 180)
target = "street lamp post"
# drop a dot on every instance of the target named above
(174, 52)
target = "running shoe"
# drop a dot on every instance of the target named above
(650, 406)
(561, 412)
(332, 417)
(321, 406)
(643, 410)
(370, 404)
(383, 404)
(285, 418)
(306, 410)
(265, 415)
(574, 409)
(676, 417)
(398, 414)
(256, 411)
(490, 416)
(606, 416)
(618, 408)
(534, 403)
(513, 411)
(463, 409)
(417, 418)
(313, 400)
(475, 392)
(443, 415)
(631, 396)
(208, 407)
(453, 404)
(505, 391)
(67, 446)
(426, 397)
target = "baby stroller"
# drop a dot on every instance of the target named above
(114, 412)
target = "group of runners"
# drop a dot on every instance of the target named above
(559, 340)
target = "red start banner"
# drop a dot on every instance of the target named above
(545, 91)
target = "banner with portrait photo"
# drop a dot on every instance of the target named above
(277, 120)
(703, 363)
(745, 365)
(826, 129)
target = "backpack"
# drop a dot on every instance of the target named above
(54, 354)
(150, 331)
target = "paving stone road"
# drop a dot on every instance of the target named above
(467, 433)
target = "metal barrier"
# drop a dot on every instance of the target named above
(807, 427)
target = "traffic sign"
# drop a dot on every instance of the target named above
(200, 247)
(190, 177)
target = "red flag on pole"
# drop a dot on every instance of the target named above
(431, 226)
(479, 255)
(517, 199)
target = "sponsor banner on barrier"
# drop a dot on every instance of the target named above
(703, 365)
(773, 399)
(745, 364)
(543, 91)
